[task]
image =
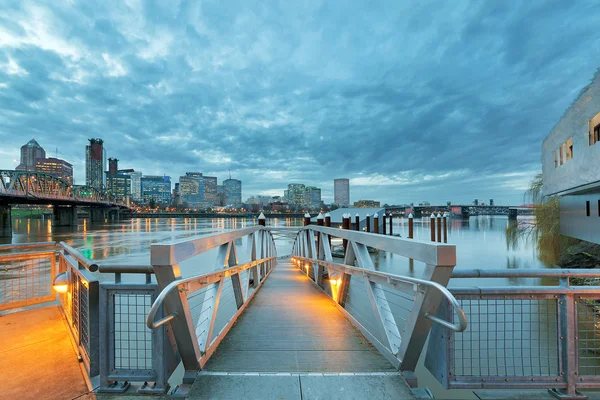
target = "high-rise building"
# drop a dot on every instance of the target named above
(118, 184)
(233, 192)
(176, 198)
(95, 164)
(341, 192)
(312, 197)
(191, 189)
(30, 151)
(55, 166)
(210, 190)
(157, 188)
(221, 196)
(136, 183)
(296, 194)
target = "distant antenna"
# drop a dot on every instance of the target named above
(57, 152)
(229, 174)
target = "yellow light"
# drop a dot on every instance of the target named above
(334, 281)
(61, 288)
(61, 282)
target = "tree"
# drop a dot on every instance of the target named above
(152, 204)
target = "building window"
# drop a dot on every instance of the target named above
(587, 208)
(569, 147)
(596, 134)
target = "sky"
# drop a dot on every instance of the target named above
(412, 101)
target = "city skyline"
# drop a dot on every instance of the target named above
(285, 94)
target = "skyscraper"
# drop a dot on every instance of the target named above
(341, 192)
(296, 194)
(118, 184)
(30, 151)
(136, 183)
(233, 191)
(210, 190)
(95, 164)
(312, 197)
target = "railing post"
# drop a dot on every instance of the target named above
(357, 222)
(445, 227)
(384, 223)
(320, 222)
(262, 220)
(328, 224)
(410, 226)
(568, 337)
(345, 225)
(368, 221)
(439, 227)
(391, 218)
(176, 303)
(432, 226)
(426, 302)
(375, 223)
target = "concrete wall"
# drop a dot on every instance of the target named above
(574, 221)
(584, 167)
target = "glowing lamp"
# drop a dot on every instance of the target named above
(334, 281)
(61, 282)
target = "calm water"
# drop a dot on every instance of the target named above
(480, 243)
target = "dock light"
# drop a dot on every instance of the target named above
(334, 281)
(61, 282)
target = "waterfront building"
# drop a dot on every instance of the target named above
(118, 184)
(176, 198)
(221, 196)
(571, 165)
(210, 190)
(341, 192)
(367, 204)
(233, 191)
(136, 183)
(95, 164)
(296, 194)
(191, 189)
(55, 166)
(157, 188)
(30, 151)
(312, 197)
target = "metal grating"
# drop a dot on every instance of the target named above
(74, 288)
(25, 281)
(84, 337)
(132, 340)
(507, 337)
(588, 332)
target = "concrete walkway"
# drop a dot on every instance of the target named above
(292, 343)
(37, 357)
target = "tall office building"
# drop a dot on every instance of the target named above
(136, 183)
(312, 197)
(341, 192)
(210, 190)
(118, 184)
(157, 188)
(296, 194)
(191, 189)
(55, 166)
(95, 164)
(30, 151)
(233, 191)
(221, 196)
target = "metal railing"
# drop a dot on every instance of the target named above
(202, 308)
(394, 312)
(521, 336)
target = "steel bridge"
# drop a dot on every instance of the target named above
(25, 187)
(225, 316)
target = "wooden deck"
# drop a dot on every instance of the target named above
(292, 342)
(37, 357)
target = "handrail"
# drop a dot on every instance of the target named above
(125, 269)
(211, 277)
(526, 273)
(86, 262)
(26, 245)
(460, 327)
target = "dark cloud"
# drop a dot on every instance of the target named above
(412, 102)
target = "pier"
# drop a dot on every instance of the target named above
(305, 325)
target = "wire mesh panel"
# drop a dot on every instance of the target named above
(588, 334)
(507, 337)
(358, 305)
(26, 279)
(132, 339)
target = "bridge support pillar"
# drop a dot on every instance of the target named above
(98, 214)
(512, 214)
(64, 216)
(5, 222)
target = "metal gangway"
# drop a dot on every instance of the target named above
(225, 316)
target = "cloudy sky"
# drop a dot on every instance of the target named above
(412, 101)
